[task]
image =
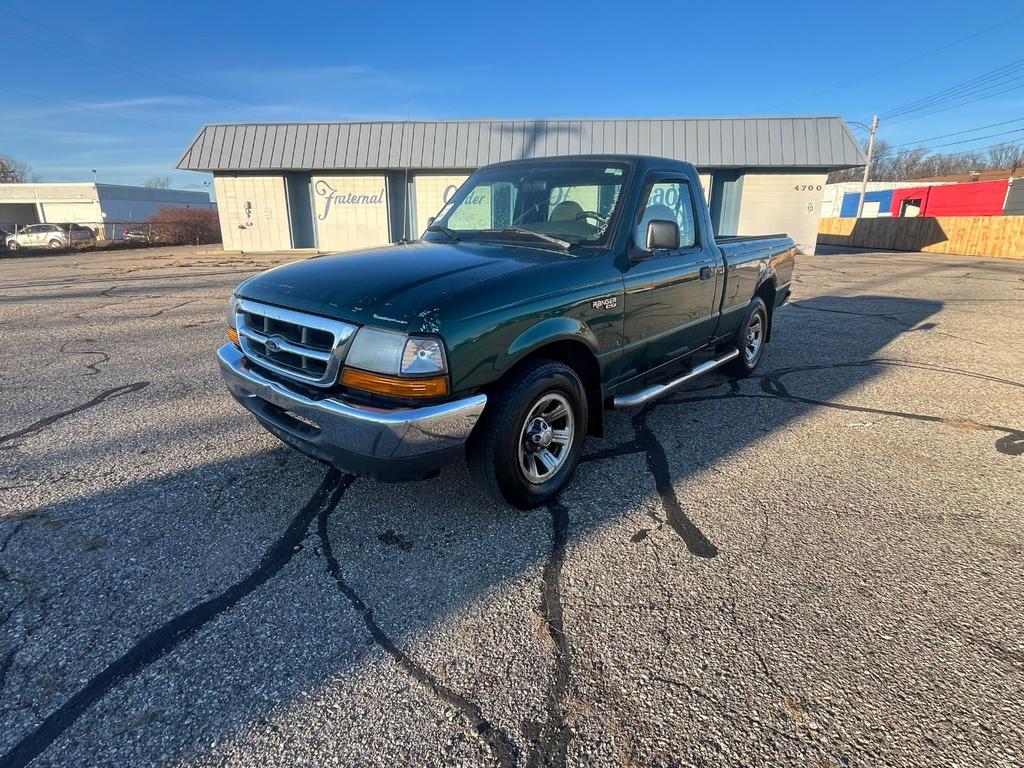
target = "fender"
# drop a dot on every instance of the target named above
(550, 330)
(767, 274)
(566, 329)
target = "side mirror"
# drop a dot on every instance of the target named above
(430, 220)
(662, 235)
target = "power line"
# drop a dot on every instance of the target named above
(976, 81)
(957, 105)
(959, 133)
(976, 138)
(982, 83)
(905, 62)
(928, 150)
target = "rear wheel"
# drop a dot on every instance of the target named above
(13, 245)
(527, 445)
(750, 338)
(55, 243)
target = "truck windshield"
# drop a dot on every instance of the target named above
(547, 203)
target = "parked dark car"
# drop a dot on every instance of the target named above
(142, 233)
(544, 292)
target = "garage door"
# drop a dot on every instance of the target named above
(350, 211)
(431, 193)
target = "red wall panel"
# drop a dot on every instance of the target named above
(979, 198)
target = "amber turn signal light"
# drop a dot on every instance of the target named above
(233, 335)
(393, 385)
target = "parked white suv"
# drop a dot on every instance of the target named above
(50, 236)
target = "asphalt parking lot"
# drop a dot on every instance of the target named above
(821, 565)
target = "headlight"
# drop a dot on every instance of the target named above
(230, 319)
(423, 356)
(394, 364)
(395, 353)
(232, 310)
(374, 350)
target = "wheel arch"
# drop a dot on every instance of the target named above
(566, 341)
(766, 291)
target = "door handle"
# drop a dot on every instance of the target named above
(706, 273)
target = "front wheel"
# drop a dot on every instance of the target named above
(527, 445)
(750, 338)
(54, 244)
(13, 246)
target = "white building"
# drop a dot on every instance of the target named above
(339, 186)
(106, 208)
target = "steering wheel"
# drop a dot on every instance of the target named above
(591, 215)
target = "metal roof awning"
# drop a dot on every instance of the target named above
(731, 142)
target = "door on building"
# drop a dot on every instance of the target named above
(300, 210)
(726, 194)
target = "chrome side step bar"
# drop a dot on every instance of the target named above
(646, 395)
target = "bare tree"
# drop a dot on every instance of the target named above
(158, 182)
(1006, 156)
(13, 172)
(920, 163)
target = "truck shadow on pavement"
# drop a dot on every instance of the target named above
(401, 559)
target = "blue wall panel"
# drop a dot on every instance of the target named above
(851, 200)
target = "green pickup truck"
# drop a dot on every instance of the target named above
(544, 292)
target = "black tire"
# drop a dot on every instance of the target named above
(493, 450)
(54, 244)
(755, 320)
(13, 246)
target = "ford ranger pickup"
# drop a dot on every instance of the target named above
(544, 292)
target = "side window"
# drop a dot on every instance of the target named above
(670, 201)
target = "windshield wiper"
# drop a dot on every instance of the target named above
(563, 244)
(446, 230)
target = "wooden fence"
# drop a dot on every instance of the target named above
(1000, 236)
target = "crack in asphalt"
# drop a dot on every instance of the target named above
(93, 367)
(157, 643)
(720, 706)
(61, 283)
(102, 397)
(501, 746)
(166, 309)
(657, 462)
(551, 739)
(890, 318)
(751, 641)
(5, 666)
(1010, 444)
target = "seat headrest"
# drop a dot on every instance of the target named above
(565, 211)
(657, 211)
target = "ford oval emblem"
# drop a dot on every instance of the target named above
(273, 345)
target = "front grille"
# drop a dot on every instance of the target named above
(308, 348)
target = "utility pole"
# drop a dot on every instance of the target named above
(867, 168)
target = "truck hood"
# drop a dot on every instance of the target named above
(398, 286)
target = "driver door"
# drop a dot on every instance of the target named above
(670, 294)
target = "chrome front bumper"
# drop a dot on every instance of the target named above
(386, 444)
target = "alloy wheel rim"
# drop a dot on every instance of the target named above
(545, 440)
(754, 337)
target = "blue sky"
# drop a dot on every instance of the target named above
(122, 87)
